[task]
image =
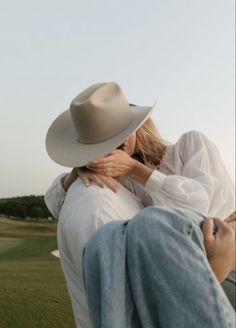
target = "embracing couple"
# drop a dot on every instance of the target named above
(146, 229)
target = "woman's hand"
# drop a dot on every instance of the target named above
(119, 164)
(116, 164)
(220, 247)
(88, 177)
(102, 181)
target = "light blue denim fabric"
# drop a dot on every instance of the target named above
(152, 272)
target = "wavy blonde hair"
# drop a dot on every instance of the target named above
(151, 147)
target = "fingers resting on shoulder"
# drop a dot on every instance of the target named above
(88, 178)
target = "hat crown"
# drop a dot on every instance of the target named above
(100, 112)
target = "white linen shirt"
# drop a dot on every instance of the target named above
(191, 175)
(84, 211)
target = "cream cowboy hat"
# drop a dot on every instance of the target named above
(98, 121)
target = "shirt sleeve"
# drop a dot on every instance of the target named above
(55, 196)
(203, 185)
(137, 189)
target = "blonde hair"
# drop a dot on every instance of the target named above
(151, 147)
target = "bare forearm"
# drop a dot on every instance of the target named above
(219, 270)
(140, 172)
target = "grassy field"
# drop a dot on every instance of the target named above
(32, 286)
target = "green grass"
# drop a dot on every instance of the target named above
(6, 244)
(32, 286)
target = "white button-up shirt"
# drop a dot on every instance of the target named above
(84, 211)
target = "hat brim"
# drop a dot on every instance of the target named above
(64, 149)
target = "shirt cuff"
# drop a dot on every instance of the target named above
(154, 182)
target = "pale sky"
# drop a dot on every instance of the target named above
(178, 52)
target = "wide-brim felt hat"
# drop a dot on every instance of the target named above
(98, 121)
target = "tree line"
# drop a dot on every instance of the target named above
(24, 207)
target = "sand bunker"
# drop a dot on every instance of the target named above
(56, 253)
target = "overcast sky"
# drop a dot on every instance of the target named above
(178, 52)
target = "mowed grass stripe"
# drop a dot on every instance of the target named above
(34, 295)
(23, 227)
(7, 244)
(33, 290)
(32, 249)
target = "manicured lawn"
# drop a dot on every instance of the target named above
(7, 244)
(32, 286)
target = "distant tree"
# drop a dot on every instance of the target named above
(2, 207)
(9, 208)
(15, 208)
(26, 206)
(36, 212)
(19, 210)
